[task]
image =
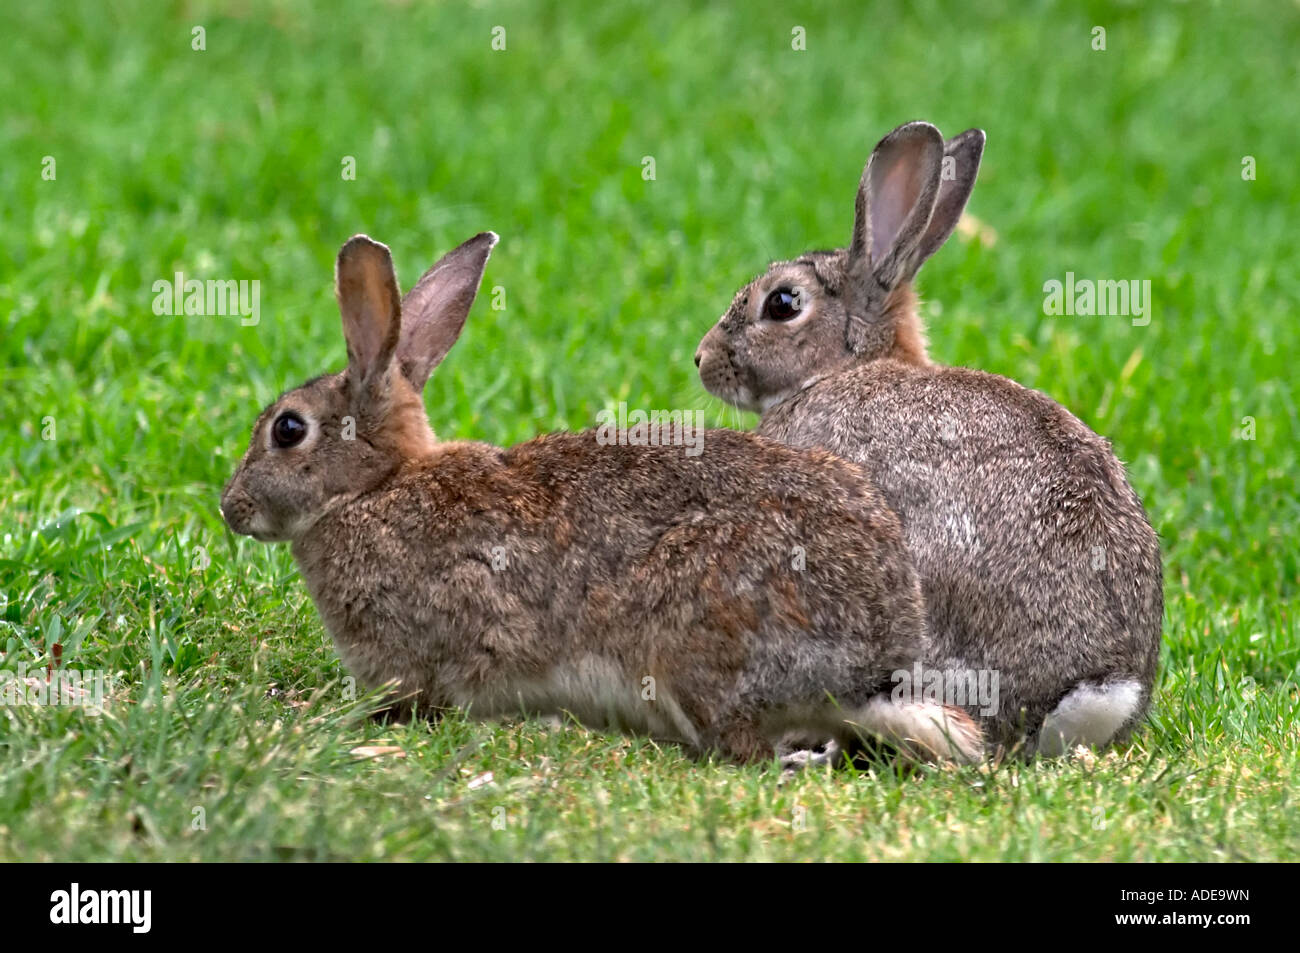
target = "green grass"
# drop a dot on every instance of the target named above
(226, 163)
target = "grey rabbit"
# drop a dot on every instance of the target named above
(723, 600)
(1037, 560)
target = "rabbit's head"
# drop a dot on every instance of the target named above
(340, 435)
(809, 317)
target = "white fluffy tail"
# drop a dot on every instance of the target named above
(1089, 715)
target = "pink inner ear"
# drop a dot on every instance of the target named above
(369, 303)
(366, 334)
(894, 191)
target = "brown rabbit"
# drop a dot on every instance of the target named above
(720, 600)
(1036, 558)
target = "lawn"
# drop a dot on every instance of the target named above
(229, 731)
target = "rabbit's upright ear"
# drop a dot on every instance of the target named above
(961, 164)
(434, 311)
(369, 301)
(895, 200)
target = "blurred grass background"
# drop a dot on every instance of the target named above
(227, 163)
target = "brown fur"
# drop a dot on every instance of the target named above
(902, 311)
(1036, 557)
(566, 575)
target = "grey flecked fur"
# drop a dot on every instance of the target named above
(1036, 557)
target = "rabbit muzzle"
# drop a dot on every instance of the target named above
(243, 516)
(719, 373)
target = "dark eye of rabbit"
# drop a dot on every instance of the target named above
(781, 305)
(288, 430)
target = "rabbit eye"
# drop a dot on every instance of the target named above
(288, 430)
(782, 305)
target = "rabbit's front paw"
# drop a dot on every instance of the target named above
(800, 759)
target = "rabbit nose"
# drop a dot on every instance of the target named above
(697, 358)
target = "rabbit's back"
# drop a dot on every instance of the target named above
(481, 575)
(1036, 557)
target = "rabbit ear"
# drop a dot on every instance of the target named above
(961, 163)
(366, 286)
(895, 200)
(434, 311)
